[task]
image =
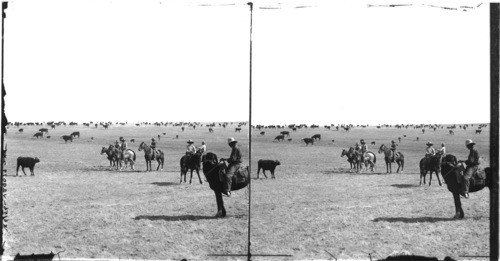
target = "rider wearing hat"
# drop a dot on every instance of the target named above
(123, 144)
(364, 147)
(393, 148)
(190, 148)
(472, 163)
(153, 146)
(357, 147)
(234, 161)
(429, 151)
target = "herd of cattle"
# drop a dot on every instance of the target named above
(269, 165)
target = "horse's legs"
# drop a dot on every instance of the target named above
(437, 176)
(198, 172)
(459, 213)
(191, 178)
(221, 211)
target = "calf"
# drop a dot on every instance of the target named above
(26, 162)
(373, 142)
(66, 138)
(132, 140)
(267, 165)
(316, 137)
(75, 134)
(308, 140)
(38, 135)
(237, 130)
(279, 137)
(478, 131)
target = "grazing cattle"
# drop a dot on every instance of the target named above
(42, 130)
(262, 132)
(289, 140)
(417, 138)
(164, 133)
(399, 139)
(132, 140)
(285, 133)
(66, 138)
(53, 126)
(21, 130)
(182, 128)
(267, 165)
(26, 162)
(75, 134)
(159, 136)
(294, 129)
(237, 130)
(452, 133)
(210, 130)
(38, 135)
(316, 137)
(333, 141)
(478, 131)
(423, 131)
(373, 142)
(48, 137)
(279, 137)
(308, 140)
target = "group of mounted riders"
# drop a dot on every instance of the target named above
(472, 163)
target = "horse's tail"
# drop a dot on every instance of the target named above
(374, 158)
(134, 154)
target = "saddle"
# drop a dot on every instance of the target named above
(240, 176)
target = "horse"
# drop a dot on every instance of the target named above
(148, 156)
(451, 172)
(191, 162)
(399, 158)
(368, 158)
(110, 154)
(351, 158)
(213, 170)
(128, 155)
(431, 164)
(115, 155)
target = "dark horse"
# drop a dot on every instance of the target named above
(351, 157)
(430, 164)
(148, 155)
(110, 154)
(451, 172)
(399, 158)
(213, 170)
(192, 162)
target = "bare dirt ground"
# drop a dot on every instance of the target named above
(316, 204)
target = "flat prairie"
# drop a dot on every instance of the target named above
(315, 208)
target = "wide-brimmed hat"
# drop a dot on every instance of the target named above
(362, 141)
(231, 140)
(469, 142)
(429, 144)
(190, 141)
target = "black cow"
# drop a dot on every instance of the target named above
(294, 129)
(21, 130)
(66, 138)
(262, 132)
(53, 126)
(75, 134)
(279, 137)
(316, 137)
(38, 135)
(26, 162)
(237, 130)
(285, 133)
(289, 140)
(267, 165)
(42, 130)
(132, 140)
(478, 131)
(373, 142)
(210, 130)
(308, 140)
(48, 137)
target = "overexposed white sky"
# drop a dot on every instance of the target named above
(328, 63)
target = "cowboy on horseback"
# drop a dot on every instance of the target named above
(123, 145)
(234, 161)
(153, 147)
(393, 149)
(364, 147)
(202, 150)
(429, 151)
(190, 148)
(472, 163)
(357, 147)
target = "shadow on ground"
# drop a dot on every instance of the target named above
(109, 169)
(175, 218)
(412, 220)
(405, 185)
(164, 184)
